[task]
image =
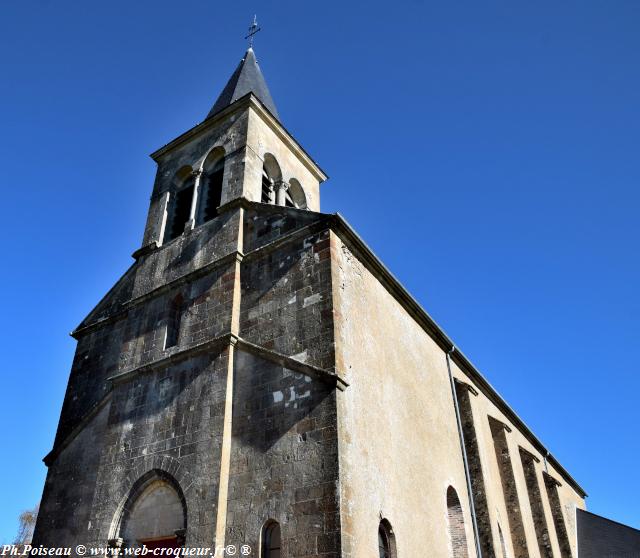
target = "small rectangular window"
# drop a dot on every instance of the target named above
(174, 321)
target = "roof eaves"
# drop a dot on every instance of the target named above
(438, 334)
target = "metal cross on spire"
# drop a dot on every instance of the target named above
(253, 29)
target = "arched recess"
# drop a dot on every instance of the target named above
(154, 513)
(386, 540)
(295, 195)
(271, 177)
(457, 533)
(211, 185)
(271, 540)
(184, 175)
(180, 199)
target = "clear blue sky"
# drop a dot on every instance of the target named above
(487, 151)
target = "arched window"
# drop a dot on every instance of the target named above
(271, 540)
(211, 185)
(174, 320)
(271, 178)
(457, 534)
(154, 515)
(386, 540)
(180, 200)
(295, 195)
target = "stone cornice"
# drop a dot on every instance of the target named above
(175, 356)
(220, 343)
(213, 346)
(293, 364)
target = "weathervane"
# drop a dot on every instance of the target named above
(253, 29)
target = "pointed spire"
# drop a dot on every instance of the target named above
(246, 79)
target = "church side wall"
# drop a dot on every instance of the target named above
(397, 455)
(399, 447)
(484, 413)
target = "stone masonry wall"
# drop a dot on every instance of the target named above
(507, 479)
(286, 296)
(165, 409)
(535, 501)
(68, 492)
(284, 462)
(459, 547)
(137, 338)
(551, 485)
(96, 358)
(475, 471)
(230, 135)
(168, 420)
(263, 225)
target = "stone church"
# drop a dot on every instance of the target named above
(258, 377)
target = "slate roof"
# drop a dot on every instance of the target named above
(599, 537)
(246, 79)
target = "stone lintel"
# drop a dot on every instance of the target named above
(527, 453)
(549, 480)
(467, 386)
(499, 424)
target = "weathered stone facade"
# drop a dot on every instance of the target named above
(301, 386)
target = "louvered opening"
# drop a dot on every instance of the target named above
(181, 208)
(213, 195)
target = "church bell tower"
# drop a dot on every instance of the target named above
(240, 151)
(200, 377)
